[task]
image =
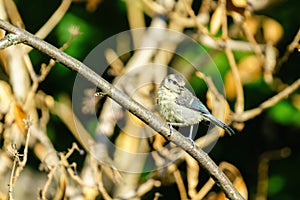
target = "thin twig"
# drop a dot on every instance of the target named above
(28, 124)
(192, 175)
(251, 39)
(52, 22)
(48, 182)
(179, 182)
(294, 44)
(12, 175)
(19, 165)
(239, 106)
(263, 169)
(205, 189)
(249, 114)
(97, 171)
(190, 11)
(137, 109)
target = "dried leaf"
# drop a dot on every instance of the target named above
(250, 68)
(236, 7)
(192, 175)
(236, 178)
(5, 97)
(252, 24)
(61, 193)
(272, 30)
(230, 87)
(239, 3)
(216, 20)
(20, 116)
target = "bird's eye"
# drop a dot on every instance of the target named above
(174, 82)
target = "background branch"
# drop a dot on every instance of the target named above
(148, 117)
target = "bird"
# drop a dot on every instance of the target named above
(180, 107)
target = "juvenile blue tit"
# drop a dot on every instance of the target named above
(180, 107)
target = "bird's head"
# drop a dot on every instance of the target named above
(174, 82)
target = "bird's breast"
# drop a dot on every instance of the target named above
(173, 112)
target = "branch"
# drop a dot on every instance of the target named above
(249, 114)
(9, 40)
(137, 109)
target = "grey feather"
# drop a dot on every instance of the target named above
(177, 104)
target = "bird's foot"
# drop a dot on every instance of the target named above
(192, 141)
(171, 128)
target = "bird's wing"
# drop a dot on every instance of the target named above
(188, 100)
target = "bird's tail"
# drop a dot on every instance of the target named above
(217, 122)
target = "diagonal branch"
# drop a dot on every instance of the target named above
(137, 109)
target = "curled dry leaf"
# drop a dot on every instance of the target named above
(192, 174)
(272, 30)
(252, 25)
(239, 3)
(236, 8)
(20, 116)
(236, 178)
(90, 192)
(13, 111)
(250, 69)
(216, 20)
(264, 29)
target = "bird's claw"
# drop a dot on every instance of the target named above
(171, 129)
(192, 141)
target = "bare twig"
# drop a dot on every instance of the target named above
(179, 182)
(263, 168)
(190, 11)
(147, 186)
(137, 109)
(13, 13)
(13, 171)
(294, 44)
(249, 114)
(50, 175)
(52, 21)
(205, 189)
(98, 177)
(233, 44)
(192, 175)
(251, 39)
(18, 165)
(239, 106)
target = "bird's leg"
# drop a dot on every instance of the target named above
(171, 128)
(191, 132)
(191, 135)
(171, 124)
